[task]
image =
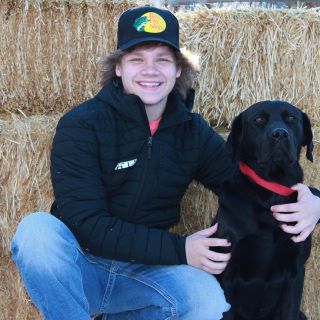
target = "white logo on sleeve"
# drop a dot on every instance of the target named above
(125, 164)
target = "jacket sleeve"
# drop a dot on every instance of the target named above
(315, 192)
(81, 203)
(214, 159)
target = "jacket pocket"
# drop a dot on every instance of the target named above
(115, 178)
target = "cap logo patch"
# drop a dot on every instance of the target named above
(150, 22)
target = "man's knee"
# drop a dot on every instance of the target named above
(203, 298)
(37, 240)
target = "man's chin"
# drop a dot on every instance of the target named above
(151, 102)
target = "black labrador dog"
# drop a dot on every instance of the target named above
(264, 277)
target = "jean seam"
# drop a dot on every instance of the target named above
(85, 300)
(110, 284)
(154, 286)
(114, 269)
(95, 262)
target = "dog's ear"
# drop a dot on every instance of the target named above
(233, 141)
(307, 136)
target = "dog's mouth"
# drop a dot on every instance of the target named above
(280, 154)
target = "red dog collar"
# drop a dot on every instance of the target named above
(272, 186)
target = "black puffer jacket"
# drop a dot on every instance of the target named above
(119, 189)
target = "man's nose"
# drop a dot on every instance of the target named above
(150, 67)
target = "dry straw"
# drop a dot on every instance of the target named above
(24, 172)
(49, 54)
(24, 186)
(252, 55)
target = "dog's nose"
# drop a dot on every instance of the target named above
(279, 133)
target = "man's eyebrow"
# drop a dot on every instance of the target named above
(135, 53)
(165, 54)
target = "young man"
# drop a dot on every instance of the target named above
(121, 163)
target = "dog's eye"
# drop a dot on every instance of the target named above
(260, 119)
(291, 118)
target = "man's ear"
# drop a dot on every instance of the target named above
(233, 141)
(118, 70)
(307, 136)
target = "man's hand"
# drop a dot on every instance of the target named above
(199, 254)
(305, 213)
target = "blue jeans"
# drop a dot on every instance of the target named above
(65, 282)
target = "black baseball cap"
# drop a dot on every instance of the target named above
(145, 24)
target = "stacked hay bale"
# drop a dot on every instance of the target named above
(49, 54)
(252, 55)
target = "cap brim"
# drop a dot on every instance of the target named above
(134, 42)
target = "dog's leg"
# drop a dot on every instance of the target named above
(291, 298)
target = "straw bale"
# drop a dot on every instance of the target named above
(49, 51)
(24, 171)
(252, 55)
(25, 187)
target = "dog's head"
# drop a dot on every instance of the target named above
(269, 134)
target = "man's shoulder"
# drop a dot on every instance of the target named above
(198, 121)
(92, 110)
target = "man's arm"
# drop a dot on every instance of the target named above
(82, 203)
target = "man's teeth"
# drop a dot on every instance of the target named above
(150, 84)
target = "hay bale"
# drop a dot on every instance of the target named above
(252, 55)
(25, 186)
(51, 65)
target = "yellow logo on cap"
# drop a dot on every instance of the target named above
(150, 22)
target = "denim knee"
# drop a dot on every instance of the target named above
(46, 254)
(201, 297)
(39, 240)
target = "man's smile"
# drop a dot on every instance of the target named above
(149, 84)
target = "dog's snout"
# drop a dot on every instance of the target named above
(279, 133)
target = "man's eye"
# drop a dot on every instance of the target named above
(164, 60)
(135, 59)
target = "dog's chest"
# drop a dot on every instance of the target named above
(245, 219)
(244, 209)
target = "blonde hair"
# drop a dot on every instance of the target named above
(185, 60)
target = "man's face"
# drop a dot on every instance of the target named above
(150, 73)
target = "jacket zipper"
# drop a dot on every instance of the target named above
(146, 167)
(149, 146)
(143, 176)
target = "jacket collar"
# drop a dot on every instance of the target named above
(131, 107)
(177, 110)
